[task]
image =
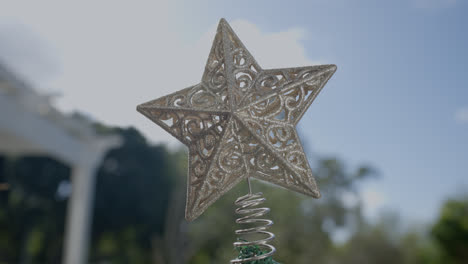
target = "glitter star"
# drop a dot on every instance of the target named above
(239, 122)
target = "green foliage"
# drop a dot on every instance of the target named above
(451, 230)
(32, 214)
(133, 186)
(372, 245)
(133, 189)
(300, 233)
(139, 215)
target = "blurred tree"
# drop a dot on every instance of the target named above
(418, 248)
(371, 247)
(134, 190)
(139, 215)
(301, 236)
(32, 211)
(451, 230)
(133, 193)
(377, 243)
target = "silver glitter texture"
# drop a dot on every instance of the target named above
(239, 122)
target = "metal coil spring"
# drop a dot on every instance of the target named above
(245, 207)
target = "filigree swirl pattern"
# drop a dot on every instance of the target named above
(239, 122)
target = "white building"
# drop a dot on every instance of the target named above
(29, 124)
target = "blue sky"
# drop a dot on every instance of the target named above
(401, 79)
(398, 102)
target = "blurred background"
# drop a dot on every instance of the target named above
(84, 178)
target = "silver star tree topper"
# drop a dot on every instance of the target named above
(239, 122)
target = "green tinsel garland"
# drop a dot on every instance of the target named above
(254, 250)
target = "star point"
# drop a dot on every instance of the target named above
(239, 122)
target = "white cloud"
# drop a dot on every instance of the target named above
(113, 59)
(27, 52)
(273, 50)
(461, 115)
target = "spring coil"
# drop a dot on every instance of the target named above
(245, 207)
